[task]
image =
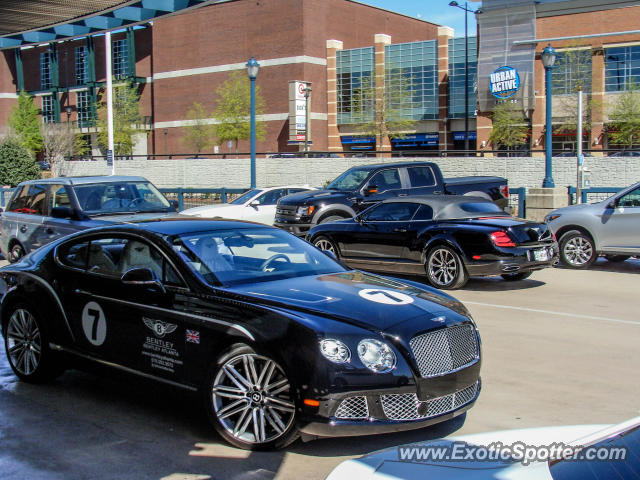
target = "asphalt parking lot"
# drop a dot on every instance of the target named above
(559, 348)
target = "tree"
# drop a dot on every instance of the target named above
(379, 111)
(200, 134)
(58, 141)
(25, 122)
(126, 118)
(16, 163)
(624, 118)
(233, 110)
(509, 128)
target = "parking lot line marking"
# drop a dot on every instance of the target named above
(562, 314)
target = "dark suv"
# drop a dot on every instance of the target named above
(41, 211)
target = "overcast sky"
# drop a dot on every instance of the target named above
(436, 11)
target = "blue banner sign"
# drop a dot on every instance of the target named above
(504, 82)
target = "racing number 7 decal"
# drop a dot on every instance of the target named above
(94, 324)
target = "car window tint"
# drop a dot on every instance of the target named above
(424, 212)
(481, 207)
(19, 200)
(58, 197)
(75, 255)
(271, 197)
(386, 180)
(90, 197)
(421, 177)
(389, 212)
(631, 199)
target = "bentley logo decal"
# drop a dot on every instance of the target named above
(388, 297)
(159, 327)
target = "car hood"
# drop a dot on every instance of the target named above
(369, 301)
(574, 208)
(132, 217)
(210, 210)
(304, 198)
(387, 464)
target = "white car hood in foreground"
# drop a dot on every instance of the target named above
(386, 465)
(219, 210)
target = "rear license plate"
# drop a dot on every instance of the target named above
(541, 255)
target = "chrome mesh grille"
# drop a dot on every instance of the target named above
(406, 406)
(353, 408)
(444, 350)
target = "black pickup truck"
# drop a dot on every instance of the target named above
(360, 187)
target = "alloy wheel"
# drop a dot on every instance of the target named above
(578, 251)
(442, 267)
(24, 342)
(252, 399)
(324, 244)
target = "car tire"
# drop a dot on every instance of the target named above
(325, 244)
(445, 269)
(16, 252)
(27, 345)
(514, 277)
(577, 250)
(330, 218)
(617, 258)
(250, 400)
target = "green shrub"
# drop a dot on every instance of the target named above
(16, 163)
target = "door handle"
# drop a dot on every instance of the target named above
(437, 192)
(23, 228)
(402, 194)
(400, 230)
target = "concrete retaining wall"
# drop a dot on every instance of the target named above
(235, 173)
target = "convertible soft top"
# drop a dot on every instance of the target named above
(451, 207)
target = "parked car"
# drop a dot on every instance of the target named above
(278, 337)
(586, 452)
(610, 228)
(360, 187)
(257, 205)
(447, 238)
(41, 211)
(572, 153)
(625, 153)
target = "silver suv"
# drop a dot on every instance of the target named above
(41, 211)
(610, 228)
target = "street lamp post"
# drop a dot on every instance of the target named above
(466, 69)
(252, 70)
(548, 59)
(307, 94)
(67, 110)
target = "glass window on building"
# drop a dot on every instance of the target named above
(411, 80)
(85, 118)
(571, 71)
(81, 70)
(622, 68)
(120, 63)
(48, 113)
(46, 60)
(457, 76)
(355, 84)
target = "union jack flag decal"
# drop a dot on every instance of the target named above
(193, 336)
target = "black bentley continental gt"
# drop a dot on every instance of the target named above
(279, 337)
(447, 237)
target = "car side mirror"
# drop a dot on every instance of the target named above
(62, 212)
(174, 204)
(371, 190)
(254, 204)
(142, 276)
(360, 219)
(613, 204)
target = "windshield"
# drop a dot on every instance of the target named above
(121, 197)
(350, 180)
(250, 255)
(242, 199)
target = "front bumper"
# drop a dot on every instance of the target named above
(298, 229)
(387, 412)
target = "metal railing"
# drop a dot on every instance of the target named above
(594, 194)
(195, 197)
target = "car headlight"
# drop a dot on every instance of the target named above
(306, 211)
(335, 351)
(376, 355)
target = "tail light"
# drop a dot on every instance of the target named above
(504, 190)
(502, 239)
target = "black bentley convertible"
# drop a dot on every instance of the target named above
(449, 238)
(280, 338)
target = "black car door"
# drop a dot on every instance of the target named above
(417, 233)
(380, 234)
(129, 323)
